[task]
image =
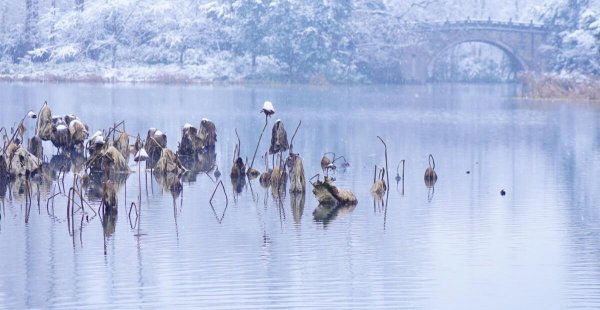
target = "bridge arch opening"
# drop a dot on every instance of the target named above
(496, 63)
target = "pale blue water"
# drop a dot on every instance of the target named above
(467, 247)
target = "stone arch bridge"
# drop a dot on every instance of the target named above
(521, 42)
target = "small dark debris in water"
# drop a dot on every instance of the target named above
(502, 192)
(468, 172)
(266, 238)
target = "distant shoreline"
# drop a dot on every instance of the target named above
(70, 73)
(536, 86)
(210, 73)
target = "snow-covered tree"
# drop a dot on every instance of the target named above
(575, 37)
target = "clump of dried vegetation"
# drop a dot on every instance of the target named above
(552, 86)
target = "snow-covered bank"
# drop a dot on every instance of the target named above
(42, 73)
(216, 70)
(560, 86)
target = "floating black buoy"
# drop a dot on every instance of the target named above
(468, 172)
(502, 192)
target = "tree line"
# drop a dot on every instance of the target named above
(290, 40)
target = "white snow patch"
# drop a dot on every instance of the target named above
(96, 134)
(99, 140)
(66, 52)
(268, 106)
(141, 155)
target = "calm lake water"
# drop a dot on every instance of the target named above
(460, 246)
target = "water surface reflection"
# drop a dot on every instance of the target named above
(462, 246)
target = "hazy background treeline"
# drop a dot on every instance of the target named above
(286, 40)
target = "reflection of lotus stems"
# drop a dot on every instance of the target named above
(146, 182)
(226, 202)
(281, 211)
(51, 198)
(72, 192)
(68, 217)
(175, 217)
(208, 175)
(224, 192)
(252, 191)
(75, 189)
(297, 201)
(27, 200)
(430, 193)
(80, 196)
(140, 183)
(81, 228)
(219, 220)
(38, 197)
(341, 157)
(83, 201)
(397, 167)
(267, 161)
(398, 178)
(100, 212)
(375, 174)
(259, 138)
(133, 206)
